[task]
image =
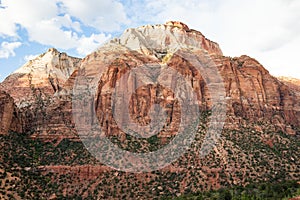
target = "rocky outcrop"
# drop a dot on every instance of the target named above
(160, 39)
(41, 91)
(40, 78)
(254, 95)
(9, 115)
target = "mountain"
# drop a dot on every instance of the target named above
(38, 87)
(41, 77)
(52, 102)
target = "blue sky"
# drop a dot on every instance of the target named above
(267, 30)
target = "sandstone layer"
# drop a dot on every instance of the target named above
(10, 118)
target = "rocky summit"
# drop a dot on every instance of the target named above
(41, 77)
(43, 110)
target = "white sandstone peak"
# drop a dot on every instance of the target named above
(150, 39)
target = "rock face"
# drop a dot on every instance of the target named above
(180, 25)
(42, 87)
(255, 95)
(163, 38)
(9, 115)
(251, 93)
(40, 78)
(38, 89)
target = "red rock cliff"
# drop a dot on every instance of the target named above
(43, 86)
(9, 115)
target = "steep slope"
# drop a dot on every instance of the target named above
(38, 89)
(257, 96)
(40, 78)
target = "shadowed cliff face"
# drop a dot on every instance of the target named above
(10, 118)
(255, 95)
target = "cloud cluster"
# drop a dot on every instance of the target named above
(60, 23)
(107, 15)
(7, 49)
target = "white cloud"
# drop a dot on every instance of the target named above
(267, 30)
(66, 21)
(7, 28)
(101, 14)
(283, 61)
(256, 26)
(48, 33)
(25, 13)
(7, 49)
(89, 44)
(59, 23)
